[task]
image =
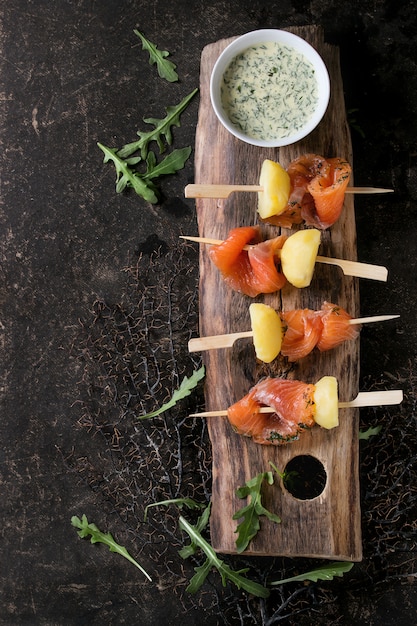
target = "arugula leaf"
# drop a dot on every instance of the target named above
(97, 536)
(126, 177)
(166, 69)
(370, 432)
(162, 129)
(200, 525)
(180, 502)
(212, 560)
(201, 573)
(142, 183)
(169, 165)
(184, 390)
(248, 528)
(326, 572)
(288, 478)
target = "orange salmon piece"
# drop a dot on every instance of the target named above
(336, 327)
(252, 271)
(263, 260)
(304, 330)
(293, 404)
(328, 191)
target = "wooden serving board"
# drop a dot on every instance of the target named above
(327, 526)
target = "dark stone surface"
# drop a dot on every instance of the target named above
(78, 313)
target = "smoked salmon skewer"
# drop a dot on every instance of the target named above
(312, 189)
(222, 191)
(250, 266)
(277, 410)
(299, 331)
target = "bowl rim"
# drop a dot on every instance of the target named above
(280, 36)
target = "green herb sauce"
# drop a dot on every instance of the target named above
(269, 91)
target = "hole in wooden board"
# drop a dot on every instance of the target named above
(304, 477)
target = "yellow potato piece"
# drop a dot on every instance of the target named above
(298, 256)
(276, 189)
(327, 402)
(267, 331)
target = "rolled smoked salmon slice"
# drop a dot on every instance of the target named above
(303, 329)
(292, 401)
(324, 329)
(336, 327)
(328, 192)
(252, 271)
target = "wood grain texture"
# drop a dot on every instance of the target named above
(327, 526)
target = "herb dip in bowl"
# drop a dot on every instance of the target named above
(269, 88)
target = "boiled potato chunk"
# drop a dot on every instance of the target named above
(267, 331)
(276, 189)
(298, 256)
(327, 402)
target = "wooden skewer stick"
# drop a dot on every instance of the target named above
(349, 268)
(365, 398)
(215, 342)
(224, 191)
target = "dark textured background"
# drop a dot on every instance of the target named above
(81, 264)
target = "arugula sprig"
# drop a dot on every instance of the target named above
(325, 572)
(370, 432)
(126, 176)
(166, 69)
(184, 390)
(212, 560)
(169, 165)
(288, 478)
(87, 530)
(249, 527)
(162, 131)
(179, 502)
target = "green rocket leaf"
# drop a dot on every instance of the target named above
(169, 165)
(166, 69)
(370, 432)
(126, 176)
(180, 502)
(87, 530)
(326, 572)
(184, 390)
(248, 528)
(212, 560)
(162, 130)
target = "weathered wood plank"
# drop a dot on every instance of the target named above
(327, 526)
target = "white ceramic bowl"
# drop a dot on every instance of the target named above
(295, 46)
